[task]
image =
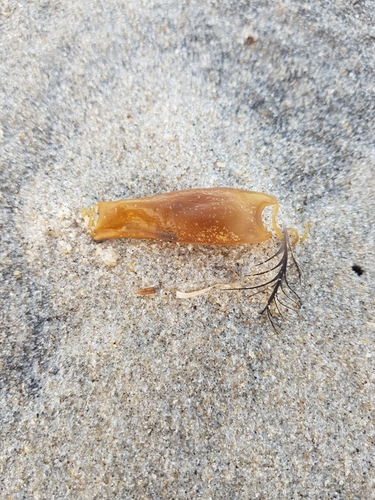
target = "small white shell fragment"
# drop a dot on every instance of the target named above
(108, 256)
(64, 247)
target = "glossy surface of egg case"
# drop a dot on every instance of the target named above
(210, 216)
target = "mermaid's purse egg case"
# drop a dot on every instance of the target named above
(212, 216)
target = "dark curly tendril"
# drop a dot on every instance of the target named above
(279, 283)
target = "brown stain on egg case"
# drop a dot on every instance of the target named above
(211, 216)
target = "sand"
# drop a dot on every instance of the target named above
(106, 394)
